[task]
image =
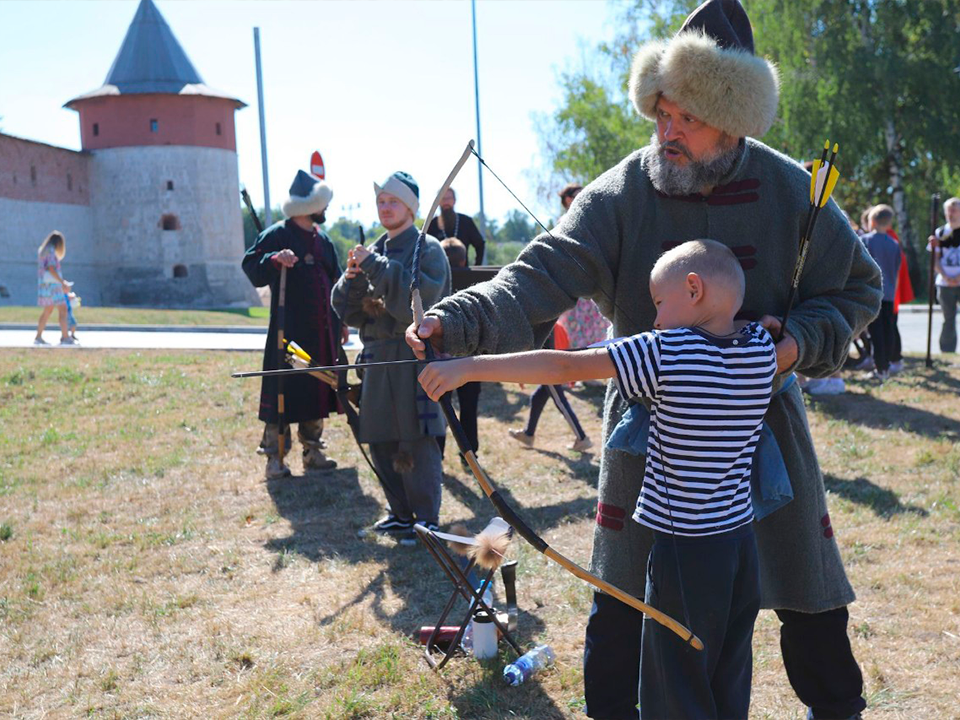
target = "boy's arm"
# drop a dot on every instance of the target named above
(541, 367)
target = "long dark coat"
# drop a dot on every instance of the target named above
(310, 321)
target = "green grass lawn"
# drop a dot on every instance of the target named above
(143, 316)
(147, 570)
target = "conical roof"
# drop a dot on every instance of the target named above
(151, 60)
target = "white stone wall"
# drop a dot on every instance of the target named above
(129, 197)
(23, 226)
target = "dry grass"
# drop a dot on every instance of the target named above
(146, 570)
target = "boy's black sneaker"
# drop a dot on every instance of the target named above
(390, 525)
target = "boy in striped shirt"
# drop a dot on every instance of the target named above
(708, 380)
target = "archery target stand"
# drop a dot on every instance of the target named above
(437, 656)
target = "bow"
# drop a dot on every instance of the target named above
(505, 511)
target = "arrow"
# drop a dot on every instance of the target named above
(823, 179)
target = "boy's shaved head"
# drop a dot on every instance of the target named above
(711, 260)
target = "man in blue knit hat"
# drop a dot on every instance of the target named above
(702, 175)
(397, 419)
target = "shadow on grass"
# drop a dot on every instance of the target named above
(870, 411)
(579, 465)
(540, 518)
(883, 502)
(325, 510)
(936, 379)
(503, 405)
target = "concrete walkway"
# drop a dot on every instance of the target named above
(147, 337)
(912, 324)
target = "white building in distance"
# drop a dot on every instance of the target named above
(150, 206)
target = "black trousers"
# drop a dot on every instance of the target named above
(816, 652)
(882, 332)
(539, 399)
(721, 586)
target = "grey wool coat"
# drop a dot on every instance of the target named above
(393, 406)
(610, 239)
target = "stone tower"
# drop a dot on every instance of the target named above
(163, 177)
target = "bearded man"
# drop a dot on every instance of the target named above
(701, 176)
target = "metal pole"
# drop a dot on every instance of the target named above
(263, 131)
(931, 286)
(476, 97)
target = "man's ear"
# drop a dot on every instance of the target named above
(694, 286)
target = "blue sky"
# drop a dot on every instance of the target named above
(375, 86)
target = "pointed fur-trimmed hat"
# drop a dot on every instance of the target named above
(709, 69)
(308, 196)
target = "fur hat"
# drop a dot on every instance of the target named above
(308, 196)
(404, 187)
(710, 70)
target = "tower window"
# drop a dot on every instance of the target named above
(154, 125)
(170, 222)
(33, 175)
(96, 129)
(169, 184)
(69, 181)
(180, 271)
(218, 129)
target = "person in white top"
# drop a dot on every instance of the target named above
(945, 242)
(708, 380)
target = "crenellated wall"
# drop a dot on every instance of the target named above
(113, 211)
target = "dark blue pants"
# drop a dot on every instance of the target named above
(721, 585)
(816, 653)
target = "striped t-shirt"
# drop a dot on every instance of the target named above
(709, 397)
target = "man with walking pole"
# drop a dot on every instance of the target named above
(298, 261)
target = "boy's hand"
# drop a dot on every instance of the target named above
(439, 378)
(787, 350)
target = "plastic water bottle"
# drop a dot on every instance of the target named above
(528, 665)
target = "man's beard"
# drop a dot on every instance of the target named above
(396, 223)
(319, 218)
(673, 179)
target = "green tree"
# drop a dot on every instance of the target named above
(877, 76)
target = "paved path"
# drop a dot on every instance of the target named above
(147, 337)
(912, 324)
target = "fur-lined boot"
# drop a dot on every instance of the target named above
(314, 458)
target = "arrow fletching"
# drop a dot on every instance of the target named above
(815, 183)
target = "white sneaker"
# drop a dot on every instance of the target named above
(521, 437)
(581, 445)
(896, 367)
(40, 341)
(865, 363)
(825, 386)
(68, 341)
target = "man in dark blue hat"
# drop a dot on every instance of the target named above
(299, 245)
(702, 175)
